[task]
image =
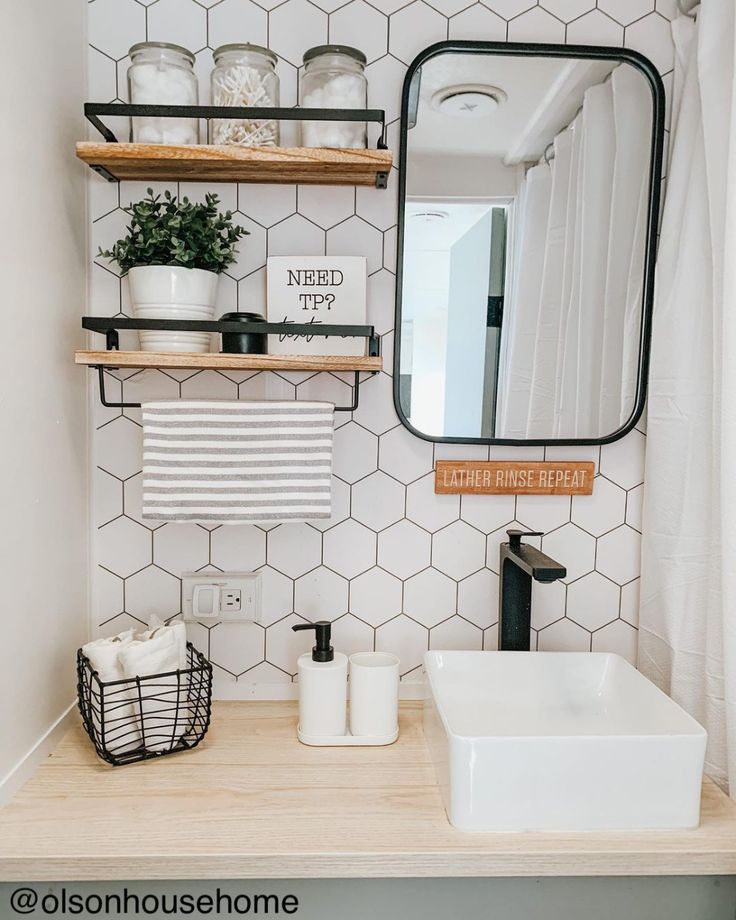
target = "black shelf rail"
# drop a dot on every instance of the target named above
(93, 111)
(110, 327)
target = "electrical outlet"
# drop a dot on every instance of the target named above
(216, 597)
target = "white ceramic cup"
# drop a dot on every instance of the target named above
(374, 694)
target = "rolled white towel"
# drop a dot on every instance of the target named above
(119, 733)
(162, 705)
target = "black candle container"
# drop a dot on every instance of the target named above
(244, 343)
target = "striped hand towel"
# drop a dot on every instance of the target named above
(237, 461)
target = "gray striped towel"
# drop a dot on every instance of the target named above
(236, 462)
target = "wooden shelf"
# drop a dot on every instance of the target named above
(230, 362)
(303, 165)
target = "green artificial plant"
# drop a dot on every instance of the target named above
(169, 231)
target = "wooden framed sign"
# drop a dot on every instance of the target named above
(513, 477)
(316, 289)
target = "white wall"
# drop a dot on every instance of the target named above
(43, 473)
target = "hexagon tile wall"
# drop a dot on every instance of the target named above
(397, 567)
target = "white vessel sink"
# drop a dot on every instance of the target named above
(559, 741)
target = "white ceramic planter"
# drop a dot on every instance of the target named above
(173, 292)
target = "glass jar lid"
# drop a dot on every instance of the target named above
(245, 48)
(320, 50)
(162, 46)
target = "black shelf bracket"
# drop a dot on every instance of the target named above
(93, 111)
(110, 326)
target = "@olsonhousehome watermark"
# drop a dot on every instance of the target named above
(124, 903)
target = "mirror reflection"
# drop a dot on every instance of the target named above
(525, 233)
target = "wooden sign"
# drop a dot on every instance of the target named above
(316, 289)
(513, 477)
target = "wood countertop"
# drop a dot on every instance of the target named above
(251, 802)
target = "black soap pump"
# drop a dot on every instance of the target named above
(323, 687)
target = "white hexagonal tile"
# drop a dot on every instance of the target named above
(477, 598)
(478, 20)
(652, 36)
(389, 249)
(326, 207)
(543, 512)
(351, 635)
(328, 388)
(548, 603)
(266, 386)
(376, 409)
(152, 591)
(182, 22)
(430, 597)
(490, 638)
(404, 456)
(385, 78)
(108, 497)
(238, 548)
(603, 510)
(119, 448)
(458, 550)
(378, 501)
(123, 546)
(593, 601)
(320, 595)
(456, 633)
(296, 236)
(404, 549)
(430, 511)
(536, 25)
(251, 292)
(101, 74)
(567, 10)
(413, 28)
(267, 204)
(634, 500)
(277, 595)
(630, 602)
(389, 6)
(294, 549)
(510, 8)
(294, 27)
(251, 249)
(487, 513)
(114, 25)
(349, 548)
(379, 207)
(180, 548)
(626, 11)
(595, 28)
(381, 301)
(361, 26)
(241, 18)
(563, 636)
(619, 554)
(573, 548)
(355, 452)
(121, 623)
(375, 596)
(236, 647)
(405, 638)
(284, 646)
(108, 597)
(667, 8)
(356, 237)
(623, 461)
(619, 638)
(133, 502)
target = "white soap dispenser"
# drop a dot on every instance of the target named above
(323, 688)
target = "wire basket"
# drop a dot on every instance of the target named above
(145, 717)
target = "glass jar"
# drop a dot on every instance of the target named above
(334, 78)
(245, 75)
(162, 74)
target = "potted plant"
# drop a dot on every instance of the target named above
(173, 255)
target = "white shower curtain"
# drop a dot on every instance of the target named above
(572, 321)
(687, 631)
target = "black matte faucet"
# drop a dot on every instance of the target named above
(520, 564)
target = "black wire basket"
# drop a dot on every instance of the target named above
(145, 717)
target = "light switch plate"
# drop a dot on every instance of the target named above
(231, 584)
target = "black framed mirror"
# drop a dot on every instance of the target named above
(529, 191)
